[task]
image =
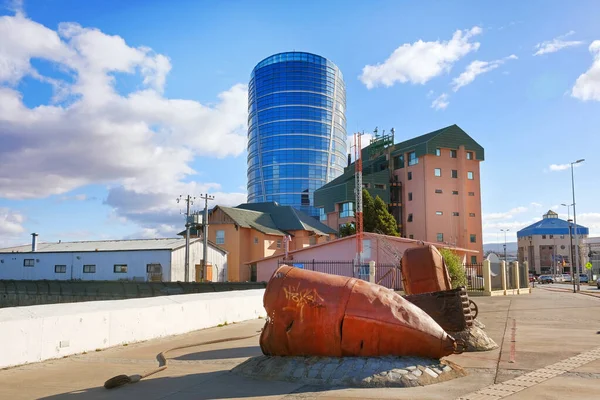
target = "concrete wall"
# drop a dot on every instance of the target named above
(37, 333)
(29, 293)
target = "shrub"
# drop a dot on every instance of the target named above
(455, 268)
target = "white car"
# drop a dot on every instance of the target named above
(567, 278)
(598, 283)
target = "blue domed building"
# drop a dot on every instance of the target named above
(545, 244)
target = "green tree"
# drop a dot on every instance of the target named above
(369, 217)
(384, 221)
(347, 230)
(455, 268)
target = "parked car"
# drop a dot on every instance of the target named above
(545, 279)
(598, 283)
(531, 278)
(583, 278)
(567, 278)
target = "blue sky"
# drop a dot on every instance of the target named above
(110, 109)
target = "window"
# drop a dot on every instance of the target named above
(453, 153)
(455, 192)
(411, 236)
(398, 162)
(312, 240)
(255, 239)
(551, 236)
(437, 172)
(346, 209)
(562, 236)
(455, 173)
(543, 236)
(28, 262)
(410, 176)
(153, 268)
(438, 152)
(439, 213)
(469, 155)
(455, 214)
(220, 237)
(120, 268)
(60, 269)
(471, 214)
(89, 269)
(470, 175)
(410, 217)
(278, 243)
(473, 259)
(409, 196)
(440, 237)
(473, 238)
(439, 191)
(412, 158)
(471, 193)
(365, 185)
(322, 215)
(379, 186)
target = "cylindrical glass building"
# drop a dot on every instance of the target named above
(296, 129)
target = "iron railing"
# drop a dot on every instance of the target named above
(474, 274)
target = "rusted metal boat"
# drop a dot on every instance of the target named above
(315, 314)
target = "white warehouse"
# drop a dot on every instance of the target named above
(140, 260)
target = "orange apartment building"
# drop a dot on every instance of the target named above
(431, 184)
(258, 230)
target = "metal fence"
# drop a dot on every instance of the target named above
(387, 275)
(474, 274)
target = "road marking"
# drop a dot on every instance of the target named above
(522, 382)
(513, 342)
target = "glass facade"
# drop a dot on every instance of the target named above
(296, 129)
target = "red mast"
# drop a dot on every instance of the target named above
(358, 212)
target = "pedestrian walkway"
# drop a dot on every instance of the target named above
(549, 348)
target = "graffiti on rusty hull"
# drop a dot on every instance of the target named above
(300, 298)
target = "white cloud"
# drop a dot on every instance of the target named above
(556, 44)
(75, 197)
(141, 142)
(11, 226)
(364, 142)
(477, 68)
(441, 102)
(587, 86)
(505, 215)
(420, 61)
(561, 167)
(591, 221)
(536, 205)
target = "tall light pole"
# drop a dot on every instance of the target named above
(504, 230)
(575, 220)
(570, 221)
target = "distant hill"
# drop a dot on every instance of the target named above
(511, 247)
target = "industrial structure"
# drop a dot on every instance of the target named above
(296, 129)
(430, 183)
(140, 260)
(547, 245)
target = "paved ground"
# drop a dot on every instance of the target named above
(546, 328)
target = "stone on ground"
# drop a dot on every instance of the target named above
(475, 339)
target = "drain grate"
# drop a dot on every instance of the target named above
(522, 382)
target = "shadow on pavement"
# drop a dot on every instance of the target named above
(236, 352)
(209, 385)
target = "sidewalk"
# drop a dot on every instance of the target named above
(533, 331)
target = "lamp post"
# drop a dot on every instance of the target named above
(504, 230)
(575, 220)
(570, 221)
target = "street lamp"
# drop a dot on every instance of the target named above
(575, 220)
(570, 221)
(504, 230)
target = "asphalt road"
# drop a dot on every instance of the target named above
(569, 285)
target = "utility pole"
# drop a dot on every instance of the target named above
(206, 198)
(571, 251)
(189, 201)
(575, 221)
(504, 230)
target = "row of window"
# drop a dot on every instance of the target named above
(454, 154)
(454, 192)
(298, 76)
(297, 127)
(294, 98)
(299, 86)
(413, 159)
(297, 142)
(454, 173)
(454, 213)
(286, 186)
(91, 268)
(288, 171)
(308, 69)
(220, 238)
(298, 156)
(294, 57)
(472, 237)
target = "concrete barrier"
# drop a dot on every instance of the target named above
(37, 333)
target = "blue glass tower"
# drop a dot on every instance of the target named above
(296, 129)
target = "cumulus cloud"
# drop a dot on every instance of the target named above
(587, 86)
(420, 61)
(561, 167)
(556, 44)
(11, 226)
(141, 143)
(477, 68)
(441, 102)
